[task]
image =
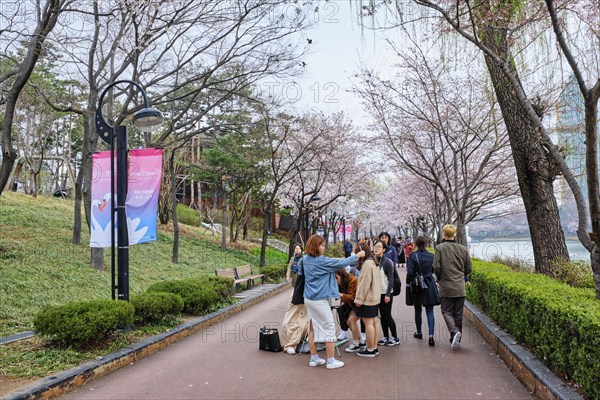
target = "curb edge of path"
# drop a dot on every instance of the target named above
(65, 381)
(531, 372)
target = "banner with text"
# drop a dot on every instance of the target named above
(141, 205)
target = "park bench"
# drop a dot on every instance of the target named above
(231, 273)
(245, 272)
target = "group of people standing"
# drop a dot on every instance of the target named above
(363, 282)
(400, 249)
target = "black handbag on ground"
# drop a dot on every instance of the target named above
(269, 340)
(418, 285)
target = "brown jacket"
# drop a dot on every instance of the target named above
(368, 291)
(451, 263)
(349, 297)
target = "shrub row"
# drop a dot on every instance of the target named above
(154, 308)
(85, 323)
(198, 293)
(274, 273)
(559, 323)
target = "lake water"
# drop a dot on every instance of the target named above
(521, 249)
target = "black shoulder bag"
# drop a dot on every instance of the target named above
(418, 285)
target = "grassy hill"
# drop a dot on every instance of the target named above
(39, 265)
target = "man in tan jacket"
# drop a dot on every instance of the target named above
(452, 265)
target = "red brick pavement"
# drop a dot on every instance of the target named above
(223, 362)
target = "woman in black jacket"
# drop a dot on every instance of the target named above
(420, 262)
(386, 270)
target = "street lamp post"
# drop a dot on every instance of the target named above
(147, 120)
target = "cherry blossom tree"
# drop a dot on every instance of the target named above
(198, 54)
(501, 32)
(445, 131)
(328, 166)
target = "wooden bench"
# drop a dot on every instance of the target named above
(245, 272)
(231, 273)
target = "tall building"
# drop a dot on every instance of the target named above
(571, 137)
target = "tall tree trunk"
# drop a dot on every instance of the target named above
(173, 176)
(224, 223)
(36, 183)
(164, 198)
(83, 190)
(77, 205)
(17, 175)
(461, 234)
(265, 236)
(591, 123)
(536, 170)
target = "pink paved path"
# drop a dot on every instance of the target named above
(223, 362)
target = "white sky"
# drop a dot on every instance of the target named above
(338, 46)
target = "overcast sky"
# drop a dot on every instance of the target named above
(338, 45)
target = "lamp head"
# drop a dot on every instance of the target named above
(148, 119)
(315, 199)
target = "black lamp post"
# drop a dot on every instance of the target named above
(147, 120)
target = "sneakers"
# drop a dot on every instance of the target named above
(418, 335)
(354, 347)
(335, 364)
(455, 340)
(290, 350)
(318, 361)
(392, 341)
(343, 335)
(431, 341)
(382, 341)
(367, 353)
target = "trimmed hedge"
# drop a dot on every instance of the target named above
(274, 273)
(335, 250)
(83, 323)
(152, 308)
(559, 323)
(198, 293)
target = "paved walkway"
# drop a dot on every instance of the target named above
(223, 362)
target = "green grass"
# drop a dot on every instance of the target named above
(272, 256)
(188, 216)
(38, 358)
(39, 265)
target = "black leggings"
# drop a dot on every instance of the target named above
(343, 313)
(387, 322)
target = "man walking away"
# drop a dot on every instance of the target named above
(452, 265)
(347, 248)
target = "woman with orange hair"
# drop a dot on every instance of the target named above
(320, 287)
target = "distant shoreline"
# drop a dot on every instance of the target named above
(517, 239)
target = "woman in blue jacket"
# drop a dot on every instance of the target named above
(319, 288)
(390, 251)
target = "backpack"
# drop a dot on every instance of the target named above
(397, 288)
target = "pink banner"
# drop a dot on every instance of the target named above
(347, 228)
(141, 206)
